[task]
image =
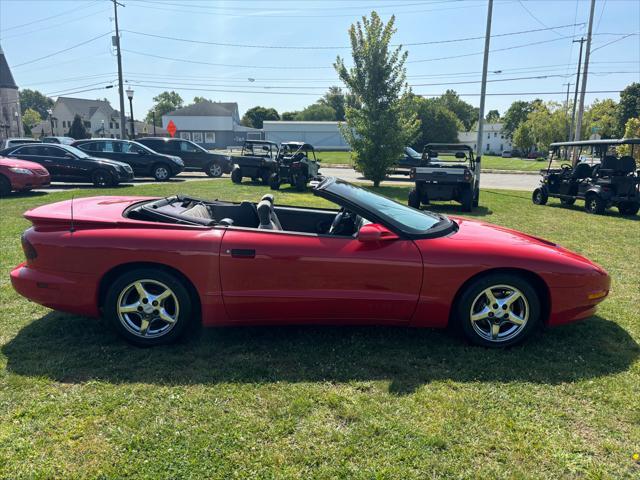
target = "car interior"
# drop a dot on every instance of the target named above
(263, 215)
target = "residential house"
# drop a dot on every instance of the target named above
(99, 118)
(494, 141)
(210, 124)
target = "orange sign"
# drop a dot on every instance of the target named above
(171, 128)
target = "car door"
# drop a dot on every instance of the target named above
(66, 164)
(191, 155)
(279, 276)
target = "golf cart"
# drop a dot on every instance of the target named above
(600, 176)
(449, 172)
(257, 160)
(297, 164)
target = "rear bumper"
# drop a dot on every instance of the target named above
(64, 291)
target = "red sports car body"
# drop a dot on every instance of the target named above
(373, 261)
(20, 175)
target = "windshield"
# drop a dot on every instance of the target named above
(405, 218)
(76, 151)
(412, 153)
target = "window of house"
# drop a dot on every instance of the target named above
(87, 124)
(110, 125)
(197, 137)
(488, 146)
(488, 135)
(501, 146)
(210, 137)
(501, 137)
(495, 135)
(185, 135)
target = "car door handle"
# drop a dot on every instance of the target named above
(242, 252)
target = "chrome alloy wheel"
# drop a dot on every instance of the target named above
(161, 173)
(148, 308)
(499, 313)
(215, 170)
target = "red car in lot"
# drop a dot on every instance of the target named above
(153, 265)
(20, 175)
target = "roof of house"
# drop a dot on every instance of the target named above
(6, 79)
(86, 107)
(206, 109)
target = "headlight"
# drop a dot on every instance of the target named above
(178, 160)
(22, 171)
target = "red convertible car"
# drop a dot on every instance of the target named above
(153, 265)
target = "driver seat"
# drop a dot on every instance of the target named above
(267, 215)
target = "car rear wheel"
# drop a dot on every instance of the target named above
(628, 208)
(5, 186)
(148, 307)
(236, 176)
(539, 196)
(466, 199)
(414, 199)
(102, 178)
(300, 183)
(161, 172)
(214, 170)
(498, 310)
(264, 177)
(274, 181)
(594, 204)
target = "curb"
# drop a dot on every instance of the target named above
(489, 170)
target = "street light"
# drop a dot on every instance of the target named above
(17, 117)
(50, 112)
(130, 97)
(102, 130)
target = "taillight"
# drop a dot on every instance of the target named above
(412, 173)
(467, 175)
(28, 249)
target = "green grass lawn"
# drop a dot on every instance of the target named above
(312, 402)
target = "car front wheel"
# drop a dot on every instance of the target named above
(148, 307)
(102, 178)
(5, 186)
(498, 310)
(214, 170)
(539, 196)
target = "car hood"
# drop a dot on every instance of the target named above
(107, 161)
(14, 162)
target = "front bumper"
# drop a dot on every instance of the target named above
(64, 291)
(569, 304)
(27, 182)
(123, 176)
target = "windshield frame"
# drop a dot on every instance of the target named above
(332, 189)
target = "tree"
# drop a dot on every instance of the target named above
(515, 115)
(523, 139)
(34, 100)
(30, 118)
(289, 116)
(466, 113)
(77, 129)
(629, 106)
(317, 112)
(493, 116)
(547, 123)
(164, 103)
(256, 115)
(200, 100)
(437, 123)
(337, 100)
(602, 118)
(379, 125)
(631, 130)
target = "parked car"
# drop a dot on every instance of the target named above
(152, 266)
(297, 165)
(66, 163)
(61, 140)
(258, 160)
(193, 155)
(144, 161)
(11, 142)
(20, 175)
(410, 158)
(506, 154)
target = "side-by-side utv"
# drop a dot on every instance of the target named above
(599, 175)
(449, 171)
(297, 165)
(258, 160)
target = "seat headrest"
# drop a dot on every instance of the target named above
(268, 197)
(264, 213)
(609, 162)
(627, 164)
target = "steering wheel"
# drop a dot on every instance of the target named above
(336, 225)
(566, 167)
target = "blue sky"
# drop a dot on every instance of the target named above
(256, 73)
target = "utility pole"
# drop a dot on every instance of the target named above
(566, 112)
(483, 91)
(585, 73)
(575, 95)
(116, 43)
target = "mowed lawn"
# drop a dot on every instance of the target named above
(492, 162)
(314, 402)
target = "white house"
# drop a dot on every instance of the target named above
(99, 118)
(322, 135)
(494, 141)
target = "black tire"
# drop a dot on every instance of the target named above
(128, 325)
(480, 332)
(236, 175)
(300, 183)
(214, 170)
(414, 199)
(274, 181)
(540, 196)
(567, 202)
(466, 200)
(102, 179)
(476, 198)
(264, 177)
(593, 203)
(161, 172)
(5, 186)
(628, 208)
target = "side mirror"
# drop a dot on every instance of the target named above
(374, 232)
(142, 152)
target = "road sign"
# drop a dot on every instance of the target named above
(171, 128)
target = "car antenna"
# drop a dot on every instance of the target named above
(72, 228)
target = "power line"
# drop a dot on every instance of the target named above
(334, 47)
(613, 41)
(533, 16)
(63, 91)
(61, 51)
(75, 9)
